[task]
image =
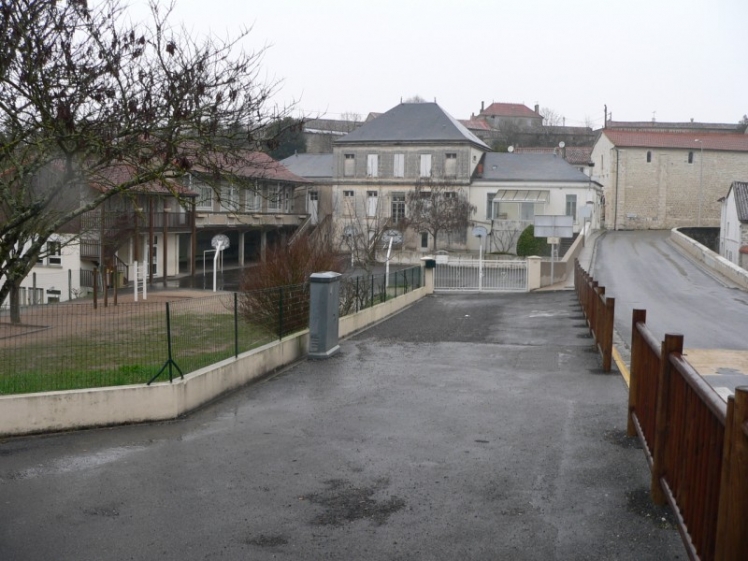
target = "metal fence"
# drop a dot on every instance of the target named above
(469, 275)
(74, 345)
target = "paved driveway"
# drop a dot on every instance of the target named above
(466, 427)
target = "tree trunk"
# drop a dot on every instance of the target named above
(15, 304)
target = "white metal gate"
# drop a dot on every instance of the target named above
(468, 275)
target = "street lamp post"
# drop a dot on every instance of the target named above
(701, 179)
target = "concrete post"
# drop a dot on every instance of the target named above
(428, 268)
(533, 272)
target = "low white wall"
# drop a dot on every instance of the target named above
(353, 323)
(117, 405)
(710, 259)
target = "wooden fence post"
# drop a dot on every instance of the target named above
(607, 334)
(732, 518)
(639, 316)
(724, 484)
(671, 344)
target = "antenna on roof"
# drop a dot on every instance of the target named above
(653, 115)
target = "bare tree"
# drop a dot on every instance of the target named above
(415, 99)
(438, 207)
(504, 239)
(364, 223)
(551, 118)
(93, 107)
(352, 120)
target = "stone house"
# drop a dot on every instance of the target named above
(510, 115)
(733, 229)
(375, 166)
(667, 177)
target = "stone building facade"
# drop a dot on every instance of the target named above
(666, 179)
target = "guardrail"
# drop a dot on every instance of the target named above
(695, 444)
(599, 311)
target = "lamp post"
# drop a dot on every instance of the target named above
(701, 179)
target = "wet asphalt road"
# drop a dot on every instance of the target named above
(466, 427)
(641, 269)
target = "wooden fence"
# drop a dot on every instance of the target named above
(695, 444)
(599, 311)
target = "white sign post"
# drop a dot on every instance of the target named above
(554, 227)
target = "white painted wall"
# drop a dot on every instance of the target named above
(729, 230)
(48, 277)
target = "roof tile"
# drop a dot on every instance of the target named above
(729, 142)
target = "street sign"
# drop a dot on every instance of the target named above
(552, 226)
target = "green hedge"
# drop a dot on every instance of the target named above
(528, 244)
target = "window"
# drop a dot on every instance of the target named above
(649, 156)
(450, 165)
(205, 198)
(274, 198)
(571, 206)
(253, 200)
(489, 206)
(348, 202)
(425, 165)
(230, 198)
(424, 240)
(527, 212)
(372, 165)
(350, 165)
(690, 157)
(371, 203)
(54, 253)
(53, 296)
(398, 207)
(399, 165)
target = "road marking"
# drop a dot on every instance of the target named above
(622, 368)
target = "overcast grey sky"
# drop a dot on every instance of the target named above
(682, 59)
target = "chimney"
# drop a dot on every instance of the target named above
(537, 109)
(482, 106)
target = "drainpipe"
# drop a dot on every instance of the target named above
(615, 216)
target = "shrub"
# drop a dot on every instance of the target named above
(528, 244)
(275, 294)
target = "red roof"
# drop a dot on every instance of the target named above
(475, 124)
(509, 110)
(254, 165)
(116, 175)
(574, 154)
(728, 142)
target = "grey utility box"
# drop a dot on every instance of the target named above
(324, 302)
